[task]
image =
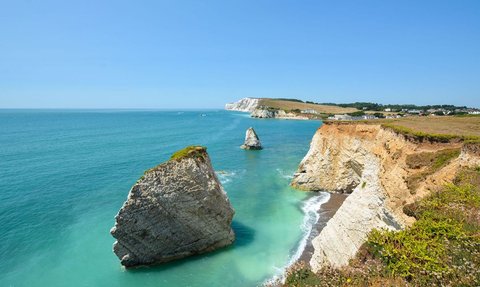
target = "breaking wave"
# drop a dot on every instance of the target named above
(311, 210)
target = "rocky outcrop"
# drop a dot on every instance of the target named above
(175, 210)
(244, 105)
(369, 162)
(251, 140)
(261, 113)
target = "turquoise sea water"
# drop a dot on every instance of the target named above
(65, 174)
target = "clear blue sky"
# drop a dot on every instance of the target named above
(201, 54)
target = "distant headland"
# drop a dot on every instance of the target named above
(295, 109)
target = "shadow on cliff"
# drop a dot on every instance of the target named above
(244, 235)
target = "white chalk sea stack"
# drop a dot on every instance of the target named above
(251, 140)
(177, 209)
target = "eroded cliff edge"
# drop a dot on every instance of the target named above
(379, 168)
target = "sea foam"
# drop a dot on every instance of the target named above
(311, 208)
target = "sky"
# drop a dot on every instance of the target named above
(202, 54)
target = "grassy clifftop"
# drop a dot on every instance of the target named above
(290, 105)
(441, 129)
(434, 129)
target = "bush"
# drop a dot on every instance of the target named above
(357, 114)
(379, 115)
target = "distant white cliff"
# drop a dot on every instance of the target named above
(247, 105)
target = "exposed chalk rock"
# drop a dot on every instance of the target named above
(244, 105)
(251, 140)
(177, 209)
(348, 229)
(262, 113)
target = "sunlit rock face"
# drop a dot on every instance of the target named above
(175, 210)
(251, 140)
(244, 105)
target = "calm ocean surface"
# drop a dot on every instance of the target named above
(65, 174)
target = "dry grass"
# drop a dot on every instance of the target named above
(434, 129)
(461, 126)
(428, 163)
(290, 105)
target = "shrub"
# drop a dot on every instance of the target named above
(357, 114)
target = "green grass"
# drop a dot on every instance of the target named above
(443, 245)
(190, 151)
(472, 141)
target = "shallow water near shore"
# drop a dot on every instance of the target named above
(65, 174)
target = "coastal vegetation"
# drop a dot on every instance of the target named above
(419, 135)
(426, 136)
(442, 248)
(447, 127)
(190, 151)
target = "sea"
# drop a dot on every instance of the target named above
(64, 174)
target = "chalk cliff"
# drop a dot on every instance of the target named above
(251, 140)
(244, 105)
(261, 113)
(374, 164)
(175, 210)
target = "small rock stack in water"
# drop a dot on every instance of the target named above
(175, 210)
(251, 140)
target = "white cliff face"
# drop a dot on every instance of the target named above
(251, 140)
(369, 162)
(252, 106)
(362, 211)
(276, 114)
(247, 105)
